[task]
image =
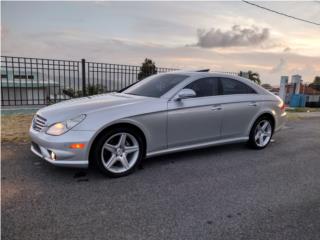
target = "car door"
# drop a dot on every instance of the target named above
(198, 119)
(240, 105)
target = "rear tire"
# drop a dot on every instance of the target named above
(119, 151)
(261, 133)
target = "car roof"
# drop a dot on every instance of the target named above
(195, 74)
(204, 74)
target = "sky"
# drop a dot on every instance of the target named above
(223, 36)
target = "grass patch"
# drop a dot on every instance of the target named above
(293, 116)
(15, 128)
(303, 109)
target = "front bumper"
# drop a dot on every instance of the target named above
(43, 145)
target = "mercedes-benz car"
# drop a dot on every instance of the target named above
(163, 113)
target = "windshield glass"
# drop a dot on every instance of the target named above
(156, 85)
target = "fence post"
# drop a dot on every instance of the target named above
(83, 69)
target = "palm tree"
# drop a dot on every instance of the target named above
(253, 76)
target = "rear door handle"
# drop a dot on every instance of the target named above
(216, 108)
(254, 104)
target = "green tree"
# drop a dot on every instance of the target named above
(316, 80)
(148, 68)
(253, 76)
(316, 83)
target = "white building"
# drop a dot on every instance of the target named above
(296, 80)
(25, 88)
(283, 83)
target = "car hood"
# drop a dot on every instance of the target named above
(74, 107)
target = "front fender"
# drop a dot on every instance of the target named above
(120, 121)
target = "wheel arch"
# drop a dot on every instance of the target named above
(267, 114)
(106, 128)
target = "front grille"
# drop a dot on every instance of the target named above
(38, 123)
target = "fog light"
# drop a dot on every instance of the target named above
(77, 145)
(53, 156)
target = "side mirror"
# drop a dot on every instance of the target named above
(185, 93)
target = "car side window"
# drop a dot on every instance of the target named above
(205, 87)
(232, 86)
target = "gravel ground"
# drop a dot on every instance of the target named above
(228, 192)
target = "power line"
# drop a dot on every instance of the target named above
(283, 14)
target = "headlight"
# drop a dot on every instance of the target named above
(62, 127)
(57, 129)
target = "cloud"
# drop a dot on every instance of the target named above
(236, 37)
(280, 66)
(65, 44)
(287, 49)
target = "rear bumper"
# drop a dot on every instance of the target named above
(280, 121)
(43, 145)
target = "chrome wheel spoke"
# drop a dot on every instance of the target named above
(268, 134)
(110, 148)
(124, 161)
(261, 140)
(131, 149)
(111, 161)
(122, 140)
(256, 137)
(264, 126)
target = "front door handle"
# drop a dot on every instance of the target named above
(254, 104)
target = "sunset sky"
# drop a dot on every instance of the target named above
(223, 36)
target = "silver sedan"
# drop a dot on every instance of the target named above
(161, 114)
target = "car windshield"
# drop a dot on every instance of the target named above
(156, 85)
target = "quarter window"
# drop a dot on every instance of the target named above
(205, 87)
(232, 86)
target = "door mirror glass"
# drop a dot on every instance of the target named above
(185, 93)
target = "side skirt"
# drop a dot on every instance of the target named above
(197, 146)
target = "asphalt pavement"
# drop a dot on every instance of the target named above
(227, 192)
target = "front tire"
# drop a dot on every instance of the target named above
(119, 152)
(261, 133)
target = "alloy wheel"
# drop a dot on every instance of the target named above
(263, 133)
(120, 152)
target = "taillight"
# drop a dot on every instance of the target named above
(282, 106)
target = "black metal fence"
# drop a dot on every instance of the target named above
(38, 81)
